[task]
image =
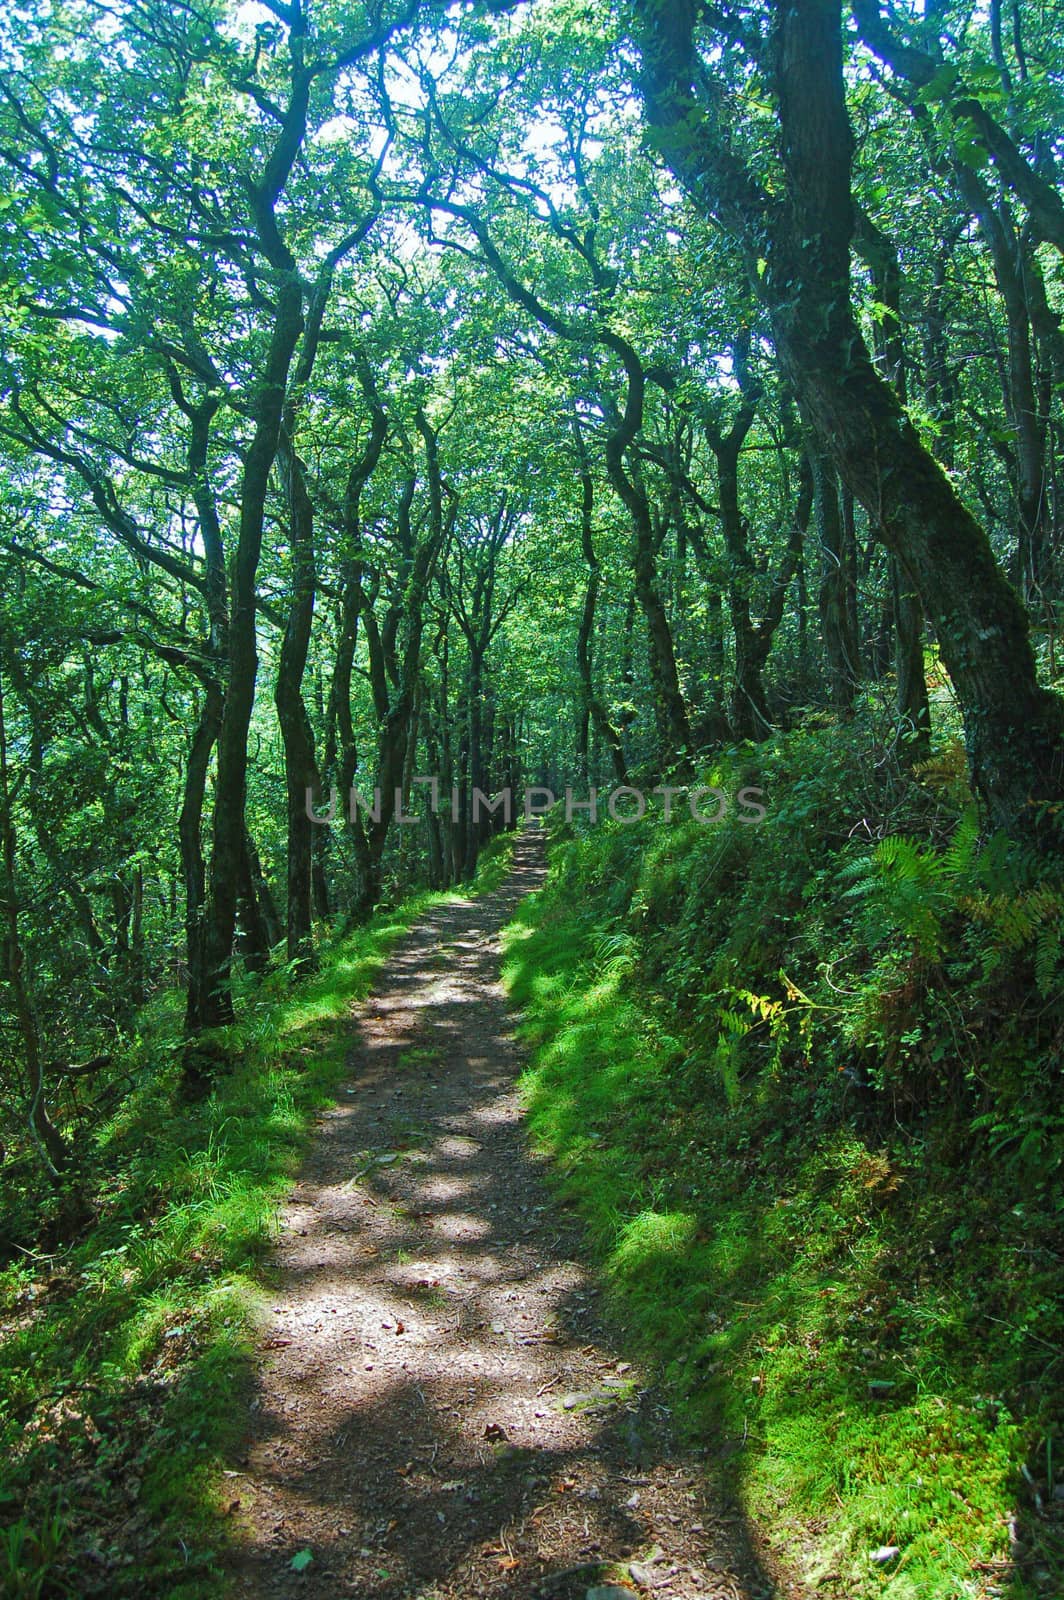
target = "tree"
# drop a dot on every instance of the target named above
(797, 250)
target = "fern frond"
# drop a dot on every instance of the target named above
(615, 954)
(961, 853)
(1047, 959)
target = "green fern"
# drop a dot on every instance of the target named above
(615, 954)
(910, 890)
(727, 1055)
(914, 890)
(962, 855)
(1015, 920)
(1047, 963)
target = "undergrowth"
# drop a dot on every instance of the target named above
(124, 1354)
(803, 1080)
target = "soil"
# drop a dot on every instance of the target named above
(440, 1412)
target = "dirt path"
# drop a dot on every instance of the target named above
(438, 1415)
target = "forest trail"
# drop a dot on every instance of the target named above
(438, 1413)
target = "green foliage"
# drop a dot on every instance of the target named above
(920, 892)
(913, 889)
(820, 1161)
(550, 343)
(123, 1358)
(31, 1557)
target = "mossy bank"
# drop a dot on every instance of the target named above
(802, 1079)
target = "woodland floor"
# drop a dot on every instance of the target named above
(439, 1411)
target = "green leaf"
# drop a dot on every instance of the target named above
(969, 145)
(301, 1562)
(941, 86)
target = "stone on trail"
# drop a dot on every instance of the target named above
(652, 1571)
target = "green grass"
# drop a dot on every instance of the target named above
(493, 863)
(862, 1317)
(123, 1358)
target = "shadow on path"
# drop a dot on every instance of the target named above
(438, 1414)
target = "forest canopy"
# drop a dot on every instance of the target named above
(549, 392)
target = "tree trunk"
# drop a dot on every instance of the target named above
(592, 708)
(670, 709)
(477, 775)
(193, 869)
(1028, 428)
(255, 944)
(301, 770)
(749, 708)
(397, 708)
(904, 615)
(914, 711)
(231, 783)
(836, 613)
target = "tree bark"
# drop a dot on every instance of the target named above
(193, 866)
(396, 707)
(301, 768)
(836, 617)
(227, 841)
(593, 709)
(254, 908)
(670, 707)
(749, 708)
(1021, 404)
(231, 781)
(905, 615)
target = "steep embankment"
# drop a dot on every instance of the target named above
(802, 1080)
